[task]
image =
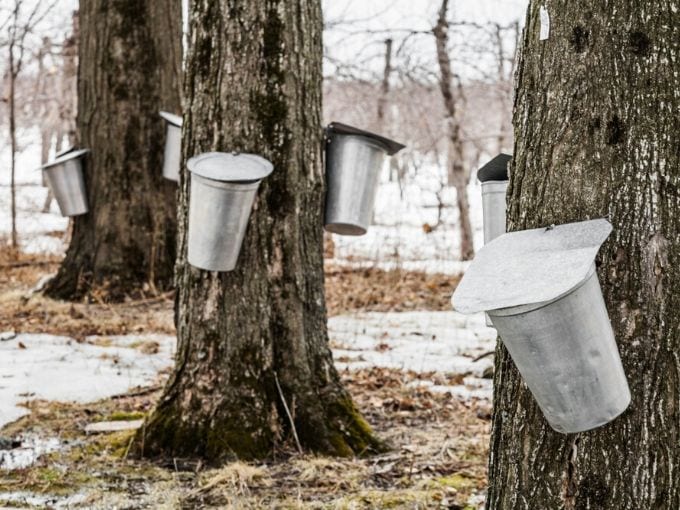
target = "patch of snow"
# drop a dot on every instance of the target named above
(30, 450)
(42, 501)
(442, 342)
(61, 369)
(397, 239)
(33, 226)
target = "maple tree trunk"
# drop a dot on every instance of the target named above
(596, 135)
(128, 69)
(254, 341)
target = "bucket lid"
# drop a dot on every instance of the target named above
(64, 151)
(175, 120)
(496, 169)
(64, 156)
(230, 166)
(530, 266)
(390, 146)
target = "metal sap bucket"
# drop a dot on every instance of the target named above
(354, 159)
(493, 209)
(173, 146)
(541, 291)
(494, 179)
(223, 189)
(66, 181)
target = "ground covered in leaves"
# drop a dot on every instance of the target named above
(438, 443)
(436, 460)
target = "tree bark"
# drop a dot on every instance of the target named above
(458, 176)
(129, 69)
(253, 85)
(596, 116)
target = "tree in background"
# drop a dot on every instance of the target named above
(19, 24)
(253, 367)
(596, 130)
(458, 174)
(129, 69)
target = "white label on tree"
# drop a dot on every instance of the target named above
(545, 23)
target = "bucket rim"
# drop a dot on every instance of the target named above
(345, 228)
(494, 187)
(172, 118)
(338, 128)
(63, 158)
(230, 166)
(233, 185)
(532, 307)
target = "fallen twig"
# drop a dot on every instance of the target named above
(290, 417)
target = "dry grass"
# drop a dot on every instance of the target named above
(438, 444)
(437, 458)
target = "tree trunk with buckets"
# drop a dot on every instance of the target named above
(129, 69)
(596, 136)
(254, 370)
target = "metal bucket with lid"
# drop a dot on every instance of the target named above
(541, 291)
(494, 179)
(354, 159)
(173, 146)
(66, 180)
(223, 189)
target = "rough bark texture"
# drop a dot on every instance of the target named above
(596, 130)
(129, 69)
(253, 85)
(458, 175)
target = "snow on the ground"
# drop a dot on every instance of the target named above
(30, 450)
(33, 225)
(61, 369)
(397, 237)
(441, 342)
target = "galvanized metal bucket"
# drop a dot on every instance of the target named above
(566, 352)
(66, 181)
(494, 179)
(541, 292)
(223, 189)
(493, 209)
(354, 159)
(173, 146)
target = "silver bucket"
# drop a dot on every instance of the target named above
(353, 170)
(66, 181)
(354, 160)
(173, 146)
(215, 245)
(223, 189)
(493, 209)
(566, 353)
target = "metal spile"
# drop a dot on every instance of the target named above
(173, 146)
(66, 180)
(541, 291)
(223, 189)
(354, 159)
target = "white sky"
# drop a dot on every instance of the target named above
(356, 30)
